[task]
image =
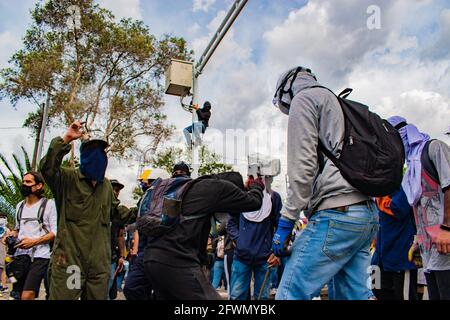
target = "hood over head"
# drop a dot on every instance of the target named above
(289, 84)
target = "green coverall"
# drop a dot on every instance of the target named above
(81, 259)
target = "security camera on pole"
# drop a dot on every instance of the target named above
(179, 83)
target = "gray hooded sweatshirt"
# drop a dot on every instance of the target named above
(314, 113)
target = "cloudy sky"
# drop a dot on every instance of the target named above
(402, 67)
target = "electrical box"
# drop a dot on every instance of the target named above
(264, 166)
(179, 77)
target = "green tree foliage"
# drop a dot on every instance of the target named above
(11, 181)
(209, 161)
(96, 69)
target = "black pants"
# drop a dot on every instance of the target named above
(438, 283)
(177, 283)
(137, 286)
(228, 262)
(392, 286)
(33, 277)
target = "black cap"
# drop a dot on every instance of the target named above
(181, 166)
(115, 182)
(94, 144)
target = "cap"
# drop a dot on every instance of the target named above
(115, 182)
(93, 144)
(181, 166)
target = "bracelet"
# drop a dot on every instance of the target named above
(445, 227)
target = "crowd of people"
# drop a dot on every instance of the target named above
(187, 239)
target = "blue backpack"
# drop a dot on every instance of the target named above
(160, 207)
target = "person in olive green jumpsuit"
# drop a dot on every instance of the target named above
(80, 263)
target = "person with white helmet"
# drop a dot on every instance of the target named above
(137, 286)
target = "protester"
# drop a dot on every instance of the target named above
(219, 254)
(85, 202)
(117, 241)
(426, 184)
(3, 232)
(173, 261)
(203, 115)
(35, 228)
(253, 233)
(137, 285)
(342, 220)
(394, 240)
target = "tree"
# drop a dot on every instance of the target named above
(11, 182)
(209, 161)
(166, 159)
(94, 68)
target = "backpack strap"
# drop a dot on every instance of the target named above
(321, 148)
(19, 214)
(41, 215)
(427, 164)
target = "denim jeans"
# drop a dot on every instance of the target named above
(334, 246)
(241, 275)
(218, 273)
(198, 128)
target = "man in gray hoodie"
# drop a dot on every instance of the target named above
(342, 221)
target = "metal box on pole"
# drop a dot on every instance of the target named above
(179, 77)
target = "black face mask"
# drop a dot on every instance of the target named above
(26, 190)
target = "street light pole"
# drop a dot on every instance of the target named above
(42, 133)
(226, 24)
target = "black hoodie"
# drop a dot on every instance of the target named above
(185, 246)
(204, 114)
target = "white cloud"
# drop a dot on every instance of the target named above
(123, 8)
(203, 5)
(9, 43)
(194, 28)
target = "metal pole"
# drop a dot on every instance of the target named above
(195, 160)
(37, 140)
(44, 125)
(226, 24)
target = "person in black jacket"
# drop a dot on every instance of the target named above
(203, 115)
(173, 263)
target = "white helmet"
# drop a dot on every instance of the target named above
(153, 174)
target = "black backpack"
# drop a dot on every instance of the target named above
(372, 156)
(160, 207)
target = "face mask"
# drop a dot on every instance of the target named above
(26, 190)
(93, 163)
(144, 186)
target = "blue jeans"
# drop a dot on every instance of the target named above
(198, 128)
(218, 273)
(241, 275)
(334, 246)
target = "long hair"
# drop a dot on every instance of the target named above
(38, 178)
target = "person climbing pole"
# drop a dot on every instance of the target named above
(203, 114)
